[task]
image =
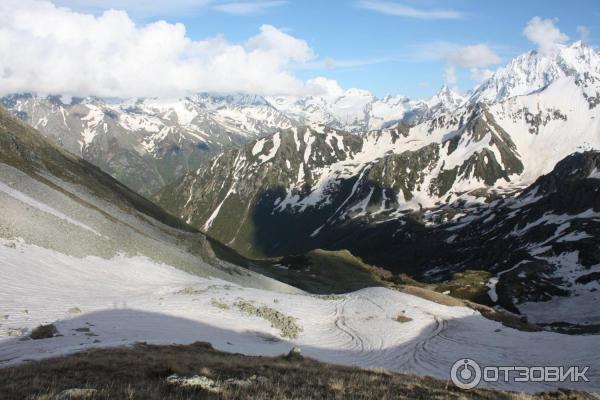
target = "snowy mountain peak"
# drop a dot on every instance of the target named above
(235, 99)
(535, 70)
(446, 97)
(577, 44)
(443, 101)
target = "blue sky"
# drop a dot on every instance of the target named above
(391, 46)
(384, 46)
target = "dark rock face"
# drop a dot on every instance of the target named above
(277, 195)
(541, 244)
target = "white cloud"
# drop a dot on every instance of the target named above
(474, 56)
(162, 8)
(481, 74)
(248, 7)
(584, 33)
(450, 77)
(461, 55)
(327, 88)
(139, 8)
(272, 41)
(545, 34)
(333, 63)
(400, 10)
(47, 49)
(423, 84)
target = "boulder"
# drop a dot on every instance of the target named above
(193, 382)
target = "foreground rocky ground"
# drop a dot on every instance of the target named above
(197, 371)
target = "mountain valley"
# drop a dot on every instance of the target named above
(201, 238)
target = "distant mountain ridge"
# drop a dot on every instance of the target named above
(360, 111)
(534, 71)
(464, 150)
(149, 143)
(55, 200)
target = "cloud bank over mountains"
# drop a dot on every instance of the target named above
(111, 56)
(545, 34)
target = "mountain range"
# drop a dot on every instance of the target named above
(386, 178)
(149, 143)
(92, 268)
(386, 194)
(385, 233)
(54, 200)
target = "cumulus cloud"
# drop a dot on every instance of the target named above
(401, 10)
(327, 88)
(333, 63)
(49, 49)
(248, 7)
(584, 33)
(154, 8)
(475, 56)
(450, 77)
(480, 74)
(545, 34)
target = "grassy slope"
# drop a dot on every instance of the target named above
(468, 285)
(140, 372)
(24, 148)
(321, 271)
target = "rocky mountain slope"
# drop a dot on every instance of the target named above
(534, 71)
(89, 264)
(53, 201)
(146, 144)
(331, 176)
(540, 246)
(308, 187)
(149, 143)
